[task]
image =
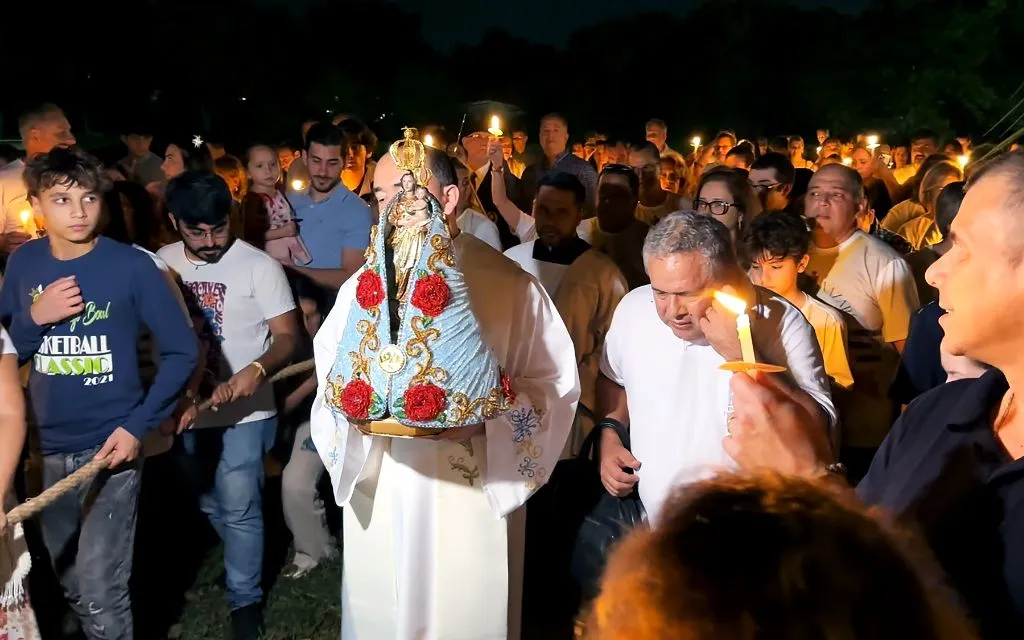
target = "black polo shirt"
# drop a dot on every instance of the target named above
(943, 472)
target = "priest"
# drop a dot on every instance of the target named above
(434, 525)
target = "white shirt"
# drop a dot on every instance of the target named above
(238, 294)
(678, 398)
(13, 195)
(477, 224)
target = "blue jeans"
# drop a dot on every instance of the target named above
(226, 468)
(90, 533)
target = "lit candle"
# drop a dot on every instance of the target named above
(298, 185)
(495, 129)
(739, 307)
(695, 142)
(819, 151)
(847, 160)
(963, 160)
(872, 142)
(28, 222)
(428, 140)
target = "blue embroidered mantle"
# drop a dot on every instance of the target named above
(438, 372)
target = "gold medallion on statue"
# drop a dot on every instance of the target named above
(391, 359)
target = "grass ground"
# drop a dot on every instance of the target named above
(303, 609)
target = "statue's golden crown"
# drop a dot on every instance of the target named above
(409, 154)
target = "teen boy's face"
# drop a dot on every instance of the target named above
(777, 274)
(71, 211)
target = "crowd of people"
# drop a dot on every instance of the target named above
(573, 298)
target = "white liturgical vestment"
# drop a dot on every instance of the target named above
(433, 529)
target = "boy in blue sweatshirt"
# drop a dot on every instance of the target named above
(76, 303)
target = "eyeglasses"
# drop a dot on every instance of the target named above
(765, 187)
(714, 207)
(193, 233)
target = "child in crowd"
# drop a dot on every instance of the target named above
(282, 239)
(77, 302)
(777, 244)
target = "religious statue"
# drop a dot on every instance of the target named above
(412, 361)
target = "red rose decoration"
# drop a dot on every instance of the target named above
(356, 398)
(424, 402)
(369, 290)
(506, 387)
(431, 295)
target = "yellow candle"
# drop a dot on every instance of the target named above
(739, 307)
(28, 222)
(495, 129)
(298, 185)
(695, 142)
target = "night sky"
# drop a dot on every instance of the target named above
(450, 22)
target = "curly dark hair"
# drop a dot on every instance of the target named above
(777, 234)
(771, 556)
(64, 166)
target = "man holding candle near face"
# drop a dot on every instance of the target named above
(42, 129)
(660, 374)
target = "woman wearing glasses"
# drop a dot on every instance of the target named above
(725, 195)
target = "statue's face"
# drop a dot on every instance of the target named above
(408, 183)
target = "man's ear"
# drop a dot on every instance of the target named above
(174, 222)
(785, 190)
(450, 200)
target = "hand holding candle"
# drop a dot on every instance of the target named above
(739, 307)
(749, 361)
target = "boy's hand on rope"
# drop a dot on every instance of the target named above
(119, 448)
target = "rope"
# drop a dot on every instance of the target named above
(85, 473)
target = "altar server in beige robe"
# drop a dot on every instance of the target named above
(585, 285)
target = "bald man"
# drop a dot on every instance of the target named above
(874, 287)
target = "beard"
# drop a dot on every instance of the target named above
(210, 255)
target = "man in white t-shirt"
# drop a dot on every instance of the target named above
(253, 331)
(777, 243)
(874, 287)
(660, 372)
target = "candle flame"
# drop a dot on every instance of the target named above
(495, 128)
(298, 185)
(847, 161)
(26, 215)
(963, 160)
(732, 303)
(428, 140)
(872, 141)
(696, 141)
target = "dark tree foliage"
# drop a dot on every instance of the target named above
(235, 69)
